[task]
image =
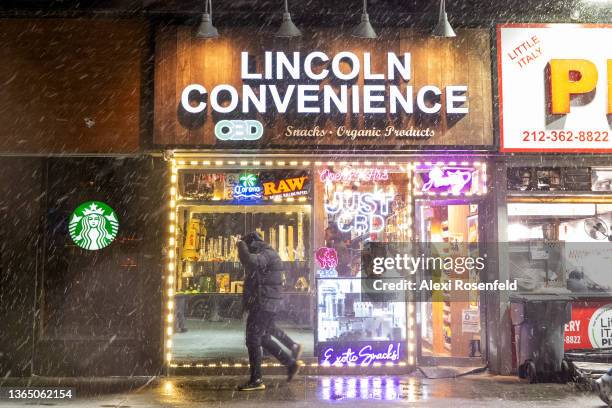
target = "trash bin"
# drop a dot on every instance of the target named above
(538, 321)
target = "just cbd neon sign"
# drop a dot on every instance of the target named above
(360, 212)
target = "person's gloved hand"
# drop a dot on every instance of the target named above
(250, 237)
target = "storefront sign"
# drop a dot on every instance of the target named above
(93, 225)
(361, 355)
(423, 93)
(238, 130)
(351, 174)
(453, 180)
(327, 259)
(590, 327)
(247, 188)
(447, 179)
(307, 98)
(555, 86)
(289, 187)
(360, 212)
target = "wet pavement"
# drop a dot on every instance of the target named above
(480, 390)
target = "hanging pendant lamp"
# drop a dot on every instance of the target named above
(364, 29)
(287, 29)
(206, 29)
(443, 28)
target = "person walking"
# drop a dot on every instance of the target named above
(262, 300)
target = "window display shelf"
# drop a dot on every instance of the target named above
(235, 293)
(230, 207)
(238, 262)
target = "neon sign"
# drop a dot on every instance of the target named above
(360, 212)
(363, 356)
(349, 174)
(450, 179)
(328, 261)
(247, 188)
(456, 180)
(290, 187)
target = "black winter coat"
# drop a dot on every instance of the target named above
(263, 276)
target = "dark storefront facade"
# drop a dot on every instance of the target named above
(320, 145)
(324, 126)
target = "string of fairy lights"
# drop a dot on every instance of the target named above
(410, 169)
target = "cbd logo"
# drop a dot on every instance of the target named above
(238, 130)
(573, 77)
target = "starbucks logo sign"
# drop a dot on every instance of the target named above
(93, 225)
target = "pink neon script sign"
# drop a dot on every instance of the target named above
(439, 177)
(348, 174)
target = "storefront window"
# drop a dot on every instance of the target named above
(360, 204)
(324, 219)
(214, 208)
(561, 246)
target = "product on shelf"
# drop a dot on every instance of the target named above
(301, 285)
(300, 250)
(190, 247)
(261, 233)
(290, 247)
(219, 187)
(282, 243)
(223, 282)
(233, 251)
(237, 287)
(273, 237)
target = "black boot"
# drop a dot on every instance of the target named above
(296, 351)
(292, 370)
(253, 385)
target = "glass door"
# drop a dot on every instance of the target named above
(450, 318)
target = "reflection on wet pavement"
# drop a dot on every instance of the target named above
(370, 388)
(481, 390)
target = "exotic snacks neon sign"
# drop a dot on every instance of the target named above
(364, 357)
(360, 212)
